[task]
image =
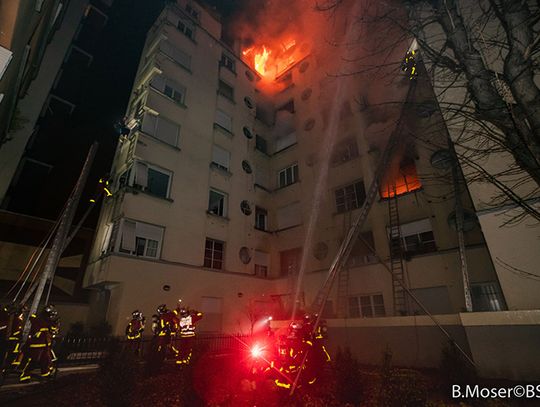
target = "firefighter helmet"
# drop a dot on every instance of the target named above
(50, 312)
(137, 314)
(183, 312)
(162, 309)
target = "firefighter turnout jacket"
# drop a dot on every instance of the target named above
(187, 323)
(135, 329)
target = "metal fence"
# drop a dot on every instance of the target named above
(88, 350)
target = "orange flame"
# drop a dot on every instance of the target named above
(260, 60)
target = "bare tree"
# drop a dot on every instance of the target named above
(482, 58)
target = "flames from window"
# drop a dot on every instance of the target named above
(272, 59)
(400, 180)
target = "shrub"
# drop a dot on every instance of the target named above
(455, 368)
(403, 388)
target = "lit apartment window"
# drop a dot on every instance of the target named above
(152, 180)
(220, 158)
(418, 237)
(401, 181)
(260, 259)
(213, 254)
(344, 151)
(290, 261)
(217, 203)
(192, 11)
(228, 62)
(350, 197)
(140, 239)
(260, 144)
(177, 55)
(261, 218)
(366, 306)
(161, 128)
(223, 120)
(226, 90)
(169, 88)
(288, 176)
(187, 28)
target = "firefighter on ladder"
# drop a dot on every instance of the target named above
(313, 344)
(134, 330)
(188, 319)
(167, 326)
(39, 345)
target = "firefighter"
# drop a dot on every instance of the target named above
(290, 354)
(14, 329)
(188, 319)
(39, 345)
(167, 326)
(134, 330)
(313, 341)
(409, 64)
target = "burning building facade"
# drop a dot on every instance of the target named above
(246, 166)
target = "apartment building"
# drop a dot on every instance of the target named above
(230, 185)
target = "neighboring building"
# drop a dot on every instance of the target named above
(38, 146)
(217, 184)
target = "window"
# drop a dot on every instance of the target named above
(288, 107)
(417, 237)
(486, 297)
(261, 263)
(226, 90)
(152, 179)
(213, 254)
(261, 218)
(169, 88)
(140, 239)
(262, 177)
(344, 151)
(177, 55)
(187, 28)
(288, 176)
(288, 216)
(366, 306)
(220, 158)
(228, 62)
(260, 144)
(403, 180)
(350, 197)
(290, 261)
(217, 203)
(224, 120)
(161, 128)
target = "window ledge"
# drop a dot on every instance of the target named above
(263, 188)
(285, 149)
(263, 230)
(136, 191)
(262, 153)
(213, 215)
(287, 228)
(185, 68)
(225, 67)
(226, 97)
(154, 138)
(381, 199)
(223, 130)
(220, 170)
(288, 185)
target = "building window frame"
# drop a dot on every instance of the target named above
(366, 306)
(214, 254)
(350, 196)
(228, 62)
(217, 203)
(261, 218)
(287, 176)
(226, 90)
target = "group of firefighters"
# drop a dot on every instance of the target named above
(38, 346)
(167, 325)
(298, 353)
